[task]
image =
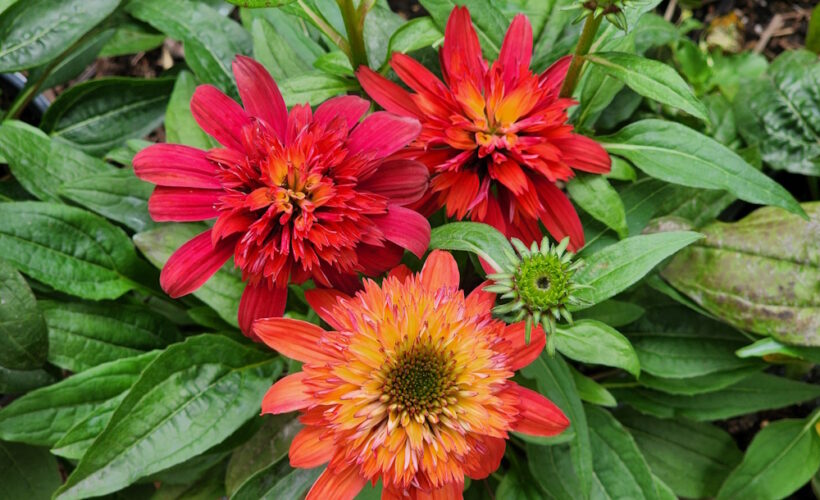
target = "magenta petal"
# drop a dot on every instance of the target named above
(405, 228)
(260, 94)
(401, 181)
(219, 116)
(350, 107)
(193, 263)
(258, 302)
(516, 51)
(176, 165)
(173, 204)
(382, 134)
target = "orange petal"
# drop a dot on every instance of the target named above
(295, 339)
(288, 394)
(342, 484)
(489, 459)
(323, 301)
(308, 450)
(521, 353)
(479, 300)
(450, 491)
(537, 415)
(440, 270)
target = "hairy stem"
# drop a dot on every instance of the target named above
(591, 26)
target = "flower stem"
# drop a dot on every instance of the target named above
(354, 25)
(591, 26)
(325, 28)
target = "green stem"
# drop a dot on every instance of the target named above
(354, 25)
(325, 28)
(591, 26)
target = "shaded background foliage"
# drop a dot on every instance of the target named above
(693, 376)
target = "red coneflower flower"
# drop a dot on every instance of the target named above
(295, 195)
(412, 387)
(496, 137)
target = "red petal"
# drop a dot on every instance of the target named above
(400, 272)
(293, 338)
(193, 263)
(582, 153)
(176, 165)
(440, 270)
(405, 228)
(219, 116)
(260, 94)
(378, 259)
(461, 53)
(516, 51)
(559, 216)
(521, 353)
(309, 450)
(489, 459)
(537, 415)
(509, 174)
(287, 394)
(350, 107)
(323, 301)
(382, 134)
(480, 300)
(386, 93)
(174, 204)
(260, 301)
(401, 181)
(342, 484)
(419, 78)
(553, 78)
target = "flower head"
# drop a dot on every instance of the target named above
(495, 136)
(412, 387)
(295, 195)
(540, 287)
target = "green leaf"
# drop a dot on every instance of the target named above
(489, 22)
(780, 251)
(782, 457)
(813, 35)
(21, 381)
(675, 153)
(379, 25)
(654, 31)
(211, 40)
(72, 250)
(209, 385)
(591, 391)
(72, 64)
(277, 481)
(620, 469)
(132, 37)
(597, 198)
(259, 4)
(314, 88)
(34, 32)
(222, 291)
(117, 195)
(480, 239)
(752, 394)
(551, 467)
(416, 34)
(722, 122)
(83, 335)
(614, 313)
(616, 267)
(268, 446)
(555, 381)
(651, 79)
(41, 164)
(27, 472)
(334, 63)
(99, 115)
(180, 126)
(23, 336)
(76, 441)
(517, 484)
(41, 417)
(597, 89)
(690, 386)
(770, 346)
(693, 458)
(298, 34)
(275, 53)
(781, 113)
(591, 341)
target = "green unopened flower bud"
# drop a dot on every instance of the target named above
(611, 9)
(540, 287)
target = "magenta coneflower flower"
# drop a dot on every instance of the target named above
(296, 195)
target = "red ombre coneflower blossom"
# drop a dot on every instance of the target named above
(295, 195)
(495, 136)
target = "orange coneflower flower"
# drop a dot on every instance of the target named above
(494, 136)
(411, 387)
(295, 195)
